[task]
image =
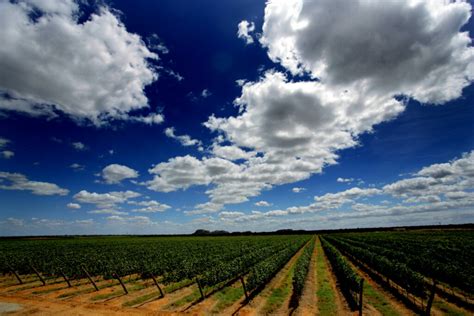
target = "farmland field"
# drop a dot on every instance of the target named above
(401, 273)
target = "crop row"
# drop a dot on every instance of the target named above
(445, 262)
(410, 280)
(301, 271)
(211, 260)
(348, 279)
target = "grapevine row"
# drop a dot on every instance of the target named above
(349, 280)
(412, 281)
(301, 272)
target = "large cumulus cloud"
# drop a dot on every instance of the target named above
(50, 61)
(409, 47)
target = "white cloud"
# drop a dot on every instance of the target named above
(184, 140)
(345, 180)
(79, 146)
(204, 208)
(240, 82)
(15, 221)
(77, 167)
(174, 74)
(226, 214)
(7, 154)
(84, 221)
(105, 200)
(410, 186)
(262, 203)
(231, 152)
(20, 182)
(155, 43)
(206, 93)
(408, 47)
(301, 122)
(95, 70)
(107, 212)
(150, 119)
(135, 220)
(298, 190)
(115, 173)
(333, 200)
(178, 173)
(3, 142)
(432, 193)
(150, 206)
(245, 28)
(74, 206)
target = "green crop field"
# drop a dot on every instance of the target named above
(231, 269)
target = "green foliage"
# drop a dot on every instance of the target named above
(446, 256)
(348, 279)
(398, 272)
(301, 271)
(262, 272)
(211, 259)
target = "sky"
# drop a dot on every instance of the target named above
(164, 117)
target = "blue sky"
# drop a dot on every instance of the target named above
(170, 116)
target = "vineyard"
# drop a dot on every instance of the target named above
(399, 273)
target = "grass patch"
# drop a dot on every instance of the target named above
(227, 297)
(88, 290)
(167, 289)
(177, 285)
(142, 299)
(134, 288)
(378, 300)
(194, 296)
(278, 295)
(39, 292)
(79, 292)
(49, 290)
(448, 309)
(325, 294)
(106, 296)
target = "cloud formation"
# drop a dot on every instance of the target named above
(93, 70)
(150, 206)
(18, 181)
(263, 203)
(297, 189)
(7, 154)
(105, 200)
(3, 142)
(115, 173)
(244, 30)
(79, 146)
(184, 140)
(427, 191)
(412, 47)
